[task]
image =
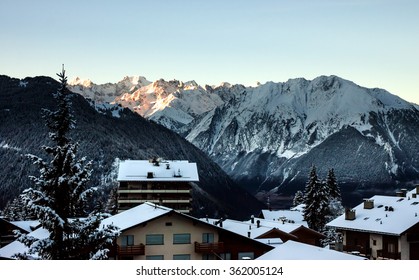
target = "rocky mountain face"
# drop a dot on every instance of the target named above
(267, 137)
(105, 135)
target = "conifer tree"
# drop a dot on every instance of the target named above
(333, 185)
(298, 198)
(60, 196)
(335, 199)
(316, 202)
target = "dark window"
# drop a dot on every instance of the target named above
(182, 257)
(155, 257)
(154, 239)
(127, 240)
(208, 238)
(182, 238)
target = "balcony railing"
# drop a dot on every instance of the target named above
(153, 191)
(217, 247)
(388, 255)
(142, 200)
(357, 249)
(134, 250)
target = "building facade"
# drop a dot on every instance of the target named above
(382, 227)
(152, 232)
(158, 181)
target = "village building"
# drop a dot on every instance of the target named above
(382, 227)
(271, 232)
(153, 232)
(164, 182)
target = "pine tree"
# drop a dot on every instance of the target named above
(60, 197)
(333, 185)
(15, 210)
(335, 199)
(316, 202)
(298, 198)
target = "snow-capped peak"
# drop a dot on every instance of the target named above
(80, 81)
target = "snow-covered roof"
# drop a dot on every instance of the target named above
(241, 228)
(27, 226)
(16, 247)
(288, 216)
(136, 215)
(391, 215)
(165, 170)
(292, 250)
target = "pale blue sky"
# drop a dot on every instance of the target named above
(374, 43)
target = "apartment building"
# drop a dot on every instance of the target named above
(163, 182)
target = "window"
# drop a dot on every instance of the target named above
(182, 238)
(127, 240)
(182, 257)
(246, 256)
(208, 257)
(154, 239)
(154, 257)
(225, 256)
(208, 238)
(391, 247)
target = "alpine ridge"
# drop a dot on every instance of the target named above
(105, 136)
(266, 137)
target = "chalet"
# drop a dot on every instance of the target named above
(151, 232)
(382, 227)
(154, 232)
(158, 181)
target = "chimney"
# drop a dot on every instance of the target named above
(350, 214)
(400, 193)
(258, 224)
(248, 234)
(252, 219)
(404, 192)
(150, 175)
(417, 189)
(368, 203)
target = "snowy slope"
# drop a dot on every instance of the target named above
(267, 136)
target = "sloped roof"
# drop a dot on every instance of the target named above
(288, 216)
(137, 215)
(17, 247)
(27, 226)
(390, 215)
(292, 250)
(165, 171)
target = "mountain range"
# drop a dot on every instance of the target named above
(106, 134)
(267, 137)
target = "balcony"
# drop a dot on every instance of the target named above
(134, 250)
(388, 255)
(357, 249)
(209, 247)
(162, 191)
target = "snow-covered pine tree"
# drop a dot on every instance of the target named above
(335, 200)
(333, 185)
(298, 198)
(60, 197)
(15, 210)
(316, 202)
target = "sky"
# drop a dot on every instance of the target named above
(374, 43)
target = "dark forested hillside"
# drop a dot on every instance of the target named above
(103, 139)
